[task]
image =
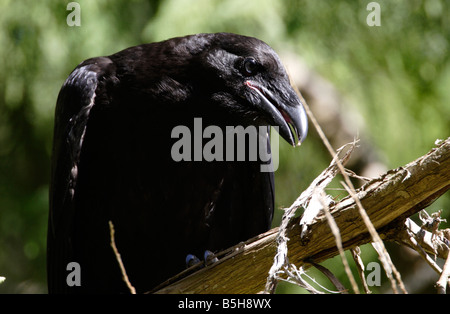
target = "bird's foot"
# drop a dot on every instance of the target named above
(208, 259)
(191, 260)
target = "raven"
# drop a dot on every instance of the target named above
(113, 158)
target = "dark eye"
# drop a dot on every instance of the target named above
(250, 67)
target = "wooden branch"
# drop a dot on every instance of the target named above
(119, 258)
(388, 201)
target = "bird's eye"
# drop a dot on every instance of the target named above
(250, 67)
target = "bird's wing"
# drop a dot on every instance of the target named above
(75, 101)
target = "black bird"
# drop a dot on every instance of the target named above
(113, 158)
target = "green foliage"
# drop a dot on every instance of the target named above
(397, 76)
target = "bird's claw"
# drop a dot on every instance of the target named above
(191, 260)
(208, 259)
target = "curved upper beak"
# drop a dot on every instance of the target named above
(290, 117)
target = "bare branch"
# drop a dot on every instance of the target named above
(378, 243)
(337, 235)
(388, 201)
(356, 253)
(119, 259)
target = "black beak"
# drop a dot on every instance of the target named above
(283, 114)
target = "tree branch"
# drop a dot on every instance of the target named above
(388, 200)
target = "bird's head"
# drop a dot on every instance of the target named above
(249, 79)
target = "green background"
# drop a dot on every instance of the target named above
(394, 80)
